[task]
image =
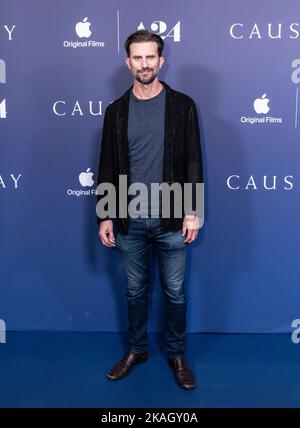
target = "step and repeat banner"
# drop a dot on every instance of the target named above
(61, 64)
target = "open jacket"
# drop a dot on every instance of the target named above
(182, 161)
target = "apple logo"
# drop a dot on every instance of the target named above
(85, 178)
(261, 104)
(83, 28)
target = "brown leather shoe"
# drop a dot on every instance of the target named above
(123, 367)
(183, 374)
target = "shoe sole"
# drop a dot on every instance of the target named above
(141, 360)
(189, 387)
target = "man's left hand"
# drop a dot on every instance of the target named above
(190, 228)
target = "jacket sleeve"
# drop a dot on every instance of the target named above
(106, 161)
(194, 165)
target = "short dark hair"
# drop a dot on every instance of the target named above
(144, 36)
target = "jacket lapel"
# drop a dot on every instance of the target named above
(121, 132)
(170, 120)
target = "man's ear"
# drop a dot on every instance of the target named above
(161, 61)
(127, 62)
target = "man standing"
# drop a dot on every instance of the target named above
(151, 135)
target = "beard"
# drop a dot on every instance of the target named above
(148, 80)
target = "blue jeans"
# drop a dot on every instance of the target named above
(171, 252)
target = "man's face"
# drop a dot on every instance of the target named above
(144, 62)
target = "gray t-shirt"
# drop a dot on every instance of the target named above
(146, 130)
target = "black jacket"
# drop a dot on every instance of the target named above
(182, 149)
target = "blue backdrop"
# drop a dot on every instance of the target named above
(230, 57)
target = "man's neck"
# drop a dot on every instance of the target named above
(145, 92)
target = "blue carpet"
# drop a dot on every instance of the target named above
(63, 369)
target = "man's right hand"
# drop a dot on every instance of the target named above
(106, 233)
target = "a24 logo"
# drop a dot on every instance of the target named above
(296, 332)
(160, 27)
(2, 331)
